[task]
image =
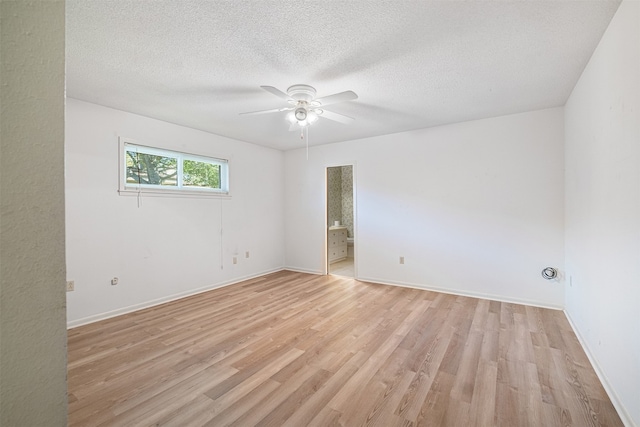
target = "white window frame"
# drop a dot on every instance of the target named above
(126, 188)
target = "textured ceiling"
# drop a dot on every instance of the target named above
(413, 64)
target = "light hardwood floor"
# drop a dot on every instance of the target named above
(343, 268)
(292, 349)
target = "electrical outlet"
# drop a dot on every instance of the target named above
(114, 281)
(246, 254)
(401, 260)
(71, 286)
(235, 259)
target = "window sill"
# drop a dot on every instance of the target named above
(176, 193)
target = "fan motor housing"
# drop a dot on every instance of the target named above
(301, 92)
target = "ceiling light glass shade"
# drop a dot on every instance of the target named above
(291, 117)
(301, 113)
(312, 117)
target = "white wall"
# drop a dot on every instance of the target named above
(33, 351)
(602, 125)
(166, 247)
(475, 208)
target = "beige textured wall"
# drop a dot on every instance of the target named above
(32, 253)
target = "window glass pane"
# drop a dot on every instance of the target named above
(155, 170)
(150, 169)
(200, 174)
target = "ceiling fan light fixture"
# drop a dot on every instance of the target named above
(310, 117)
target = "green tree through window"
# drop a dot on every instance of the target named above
(149, 169)
(200, 174)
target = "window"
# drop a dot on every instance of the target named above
(155, 170)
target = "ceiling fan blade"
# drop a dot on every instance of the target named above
(276, 92)
(336, 117)
(348, 95)
(275, 110)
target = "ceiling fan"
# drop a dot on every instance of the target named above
(304, 108)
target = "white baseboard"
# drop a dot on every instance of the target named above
(462, 293)
(303, 270)
(615, 400)
(158, 301)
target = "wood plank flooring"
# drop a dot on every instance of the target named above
(293, 349)
(343, 268)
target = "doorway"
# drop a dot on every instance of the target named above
(340, 214)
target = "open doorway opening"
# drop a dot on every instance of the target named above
(340, 221)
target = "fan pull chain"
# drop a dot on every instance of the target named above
(307, 138)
